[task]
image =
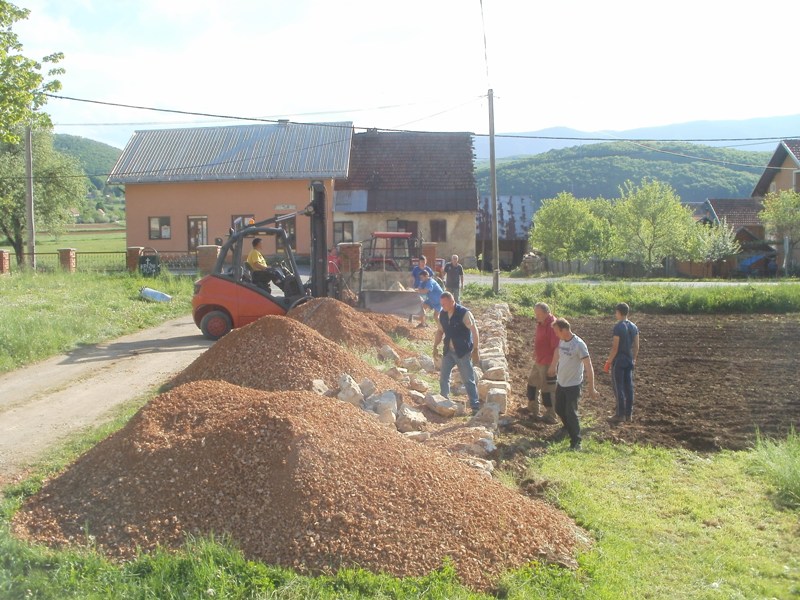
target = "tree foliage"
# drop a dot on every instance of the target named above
(653, 223)
(58, 186)
(23, 87)
(696, 172)
(781, 214)
(96, 158)
(560, 226)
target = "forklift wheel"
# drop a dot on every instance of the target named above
(216, 324)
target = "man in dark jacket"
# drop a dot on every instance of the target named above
(457, 327)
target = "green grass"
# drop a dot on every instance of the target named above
(571, 299)
(778, 462)
(47, 314)
(94, 240)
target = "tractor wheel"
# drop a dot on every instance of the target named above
(216, 324)
(299, 301)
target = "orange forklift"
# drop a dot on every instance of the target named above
(232, 297)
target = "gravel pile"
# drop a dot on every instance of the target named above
(278, 353)
(297, 480)
(341, 323)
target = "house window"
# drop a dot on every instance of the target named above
(438, 230)
(290, 226)
(398, 225)
(342, 232)
(197, 230)
(160, 228)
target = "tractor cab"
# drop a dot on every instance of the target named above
(234, 295)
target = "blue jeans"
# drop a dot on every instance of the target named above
(622, 382)
(464, 364)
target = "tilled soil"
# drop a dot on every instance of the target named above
(702, 382)
(295, 479)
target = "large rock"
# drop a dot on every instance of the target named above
(411, 363)
(388, 353)
(487, 416)
(397, 373)
(367, 388)
(496, 373)
(349, 391)
(410, 419)
(418, 385)
(498, 397)
(427, 363)
(441, 406)
(319, 386)
(484, 385)
(386, 407)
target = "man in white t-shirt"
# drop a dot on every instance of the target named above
(570, 364)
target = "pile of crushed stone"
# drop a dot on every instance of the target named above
(341, 323)
(297, 480)
(278, 353)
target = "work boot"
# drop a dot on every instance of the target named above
(549, 415)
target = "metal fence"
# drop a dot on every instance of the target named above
(177, 263)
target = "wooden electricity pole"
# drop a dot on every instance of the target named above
(493, 179)
(29, 198)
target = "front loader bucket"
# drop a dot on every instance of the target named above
(401, 303)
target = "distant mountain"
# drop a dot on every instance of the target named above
(516, 144)
(696, 171)
(96, 158)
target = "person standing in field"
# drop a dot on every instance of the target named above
(545, 347)
(572, 363)
(460, 332)
(621, 362)
(454, 277)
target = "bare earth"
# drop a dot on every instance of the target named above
(42, 404)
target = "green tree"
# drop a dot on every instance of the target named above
(711, 242)
(59, 185)
(560, 228)
(603, 234)
(653, 223)
(23, 88)
(781, 215)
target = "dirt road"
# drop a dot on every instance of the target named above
(42, 404)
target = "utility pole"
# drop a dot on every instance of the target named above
(493, 178)
(29, 198)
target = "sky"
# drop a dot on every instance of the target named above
(423, 65)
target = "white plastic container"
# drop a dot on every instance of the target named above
(154, 295)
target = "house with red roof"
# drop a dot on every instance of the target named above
(416, 182)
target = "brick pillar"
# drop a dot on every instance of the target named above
(207, 258)
(67, 259)
(132, 258)
(5, 262)
(350, 256)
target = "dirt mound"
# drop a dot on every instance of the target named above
(341, 323)
(392, 325)
(297, 480)
(278, 353)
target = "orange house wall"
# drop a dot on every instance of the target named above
(218, 201)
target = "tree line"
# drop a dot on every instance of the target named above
(646, 224)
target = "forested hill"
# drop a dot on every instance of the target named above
(96, 158)
(697, 172)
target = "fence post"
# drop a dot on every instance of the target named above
(132, 258)
(207, 258)
(349, 257)
(5, 262)
(67, 260)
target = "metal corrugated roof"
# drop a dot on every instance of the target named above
(242, 152)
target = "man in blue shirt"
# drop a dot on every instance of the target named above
(433, 295)
(621, 362)
(422, 265)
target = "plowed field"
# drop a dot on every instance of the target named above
(702, 382)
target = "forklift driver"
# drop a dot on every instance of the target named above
(261, 272)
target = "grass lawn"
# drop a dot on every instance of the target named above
(84, 240)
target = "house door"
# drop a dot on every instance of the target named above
(290, 227)
(198, 232)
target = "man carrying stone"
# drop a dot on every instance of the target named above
(457, 327)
